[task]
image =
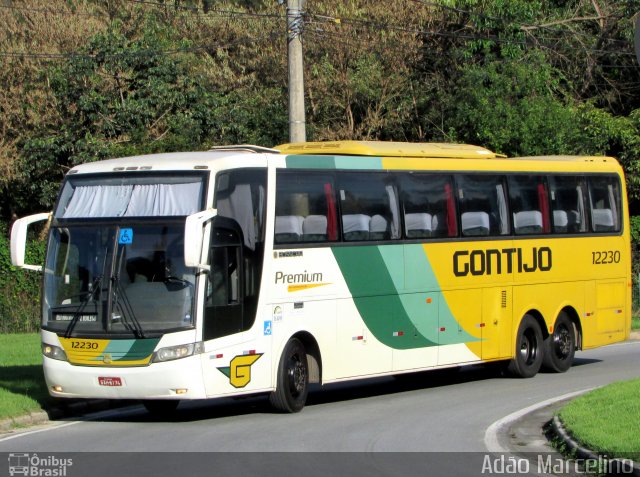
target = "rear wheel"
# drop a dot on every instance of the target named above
(560, 346)
(161, 408)
(529, 349)
(292, 385)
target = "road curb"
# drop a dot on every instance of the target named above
(560, 433)
(75, 408)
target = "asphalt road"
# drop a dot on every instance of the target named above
(341, 430)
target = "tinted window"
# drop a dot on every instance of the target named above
(605, 204)
(241, 195)
(428, 206)
(369, 206)
(483, 205)
(529, 204)
(567, 195)
(305, 208)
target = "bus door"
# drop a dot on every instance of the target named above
(234, 342)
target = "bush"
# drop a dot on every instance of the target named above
(20, 290)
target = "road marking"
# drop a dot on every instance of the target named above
(37, 431)
(491, 440)
(94, 416)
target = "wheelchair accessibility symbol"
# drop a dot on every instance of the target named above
(126, 236)
(267, 328)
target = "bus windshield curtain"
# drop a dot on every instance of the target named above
(133, 200)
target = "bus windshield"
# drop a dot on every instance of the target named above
(118, 279)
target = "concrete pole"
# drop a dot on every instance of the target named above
(297, 126)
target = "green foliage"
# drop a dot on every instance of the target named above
(522, 77)
(513, 107)
(20, 289)
(126, 94)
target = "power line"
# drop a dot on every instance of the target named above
(503, 20)
(167, 52)
(194, 9)
(339, 21)
(203, 11)
(49, 11)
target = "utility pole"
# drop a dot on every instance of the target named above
(297, 125)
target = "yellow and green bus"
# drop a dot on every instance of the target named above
(246, 270)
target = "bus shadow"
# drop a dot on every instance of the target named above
(190, 411)
(584, 361)
(403, 383)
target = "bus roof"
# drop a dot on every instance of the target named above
(388, 149)
(348, 155)
(174, 161)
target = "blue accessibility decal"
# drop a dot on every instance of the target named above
(126, 236)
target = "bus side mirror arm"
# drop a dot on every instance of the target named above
(194, 238)
(19, 240)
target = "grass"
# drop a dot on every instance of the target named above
(635, 321)
(22, 386)
(607, 420)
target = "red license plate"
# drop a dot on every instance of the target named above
(110, 381)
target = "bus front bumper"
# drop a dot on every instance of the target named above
(178, 379)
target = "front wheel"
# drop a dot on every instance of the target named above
(292, 385)
(560, 347)
(529, 349)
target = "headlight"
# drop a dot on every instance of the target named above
(177, 352)
(53, 352)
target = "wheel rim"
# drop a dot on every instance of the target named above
(562, 342)
(529, 347)
(297, 375)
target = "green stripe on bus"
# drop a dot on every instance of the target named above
(333, 162)
(376, 297)
(131, 350)
(420, 276)
(397, 317)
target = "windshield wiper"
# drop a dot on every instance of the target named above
(126, 310)
(95, 285)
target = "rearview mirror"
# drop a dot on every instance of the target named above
(194, 237)
(19, 240)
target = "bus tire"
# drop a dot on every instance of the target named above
(560, 346)
(529, 349)
(292, 384)
(161, 407)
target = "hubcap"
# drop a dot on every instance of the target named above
(562, 342)
(528, 347)
(297, 374)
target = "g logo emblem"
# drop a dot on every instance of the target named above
(239, 369)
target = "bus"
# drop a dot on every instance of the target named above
(246, 270)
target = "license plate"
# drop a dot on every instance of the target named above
(110, 381)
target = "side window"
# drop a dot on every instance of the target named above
(483, 205)
(224, 311)
(529, 204)
(369, 206)
(568, 204)
(236, 255)
(305, 208)
(241, 195)
(604, 193)
(428, 206)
